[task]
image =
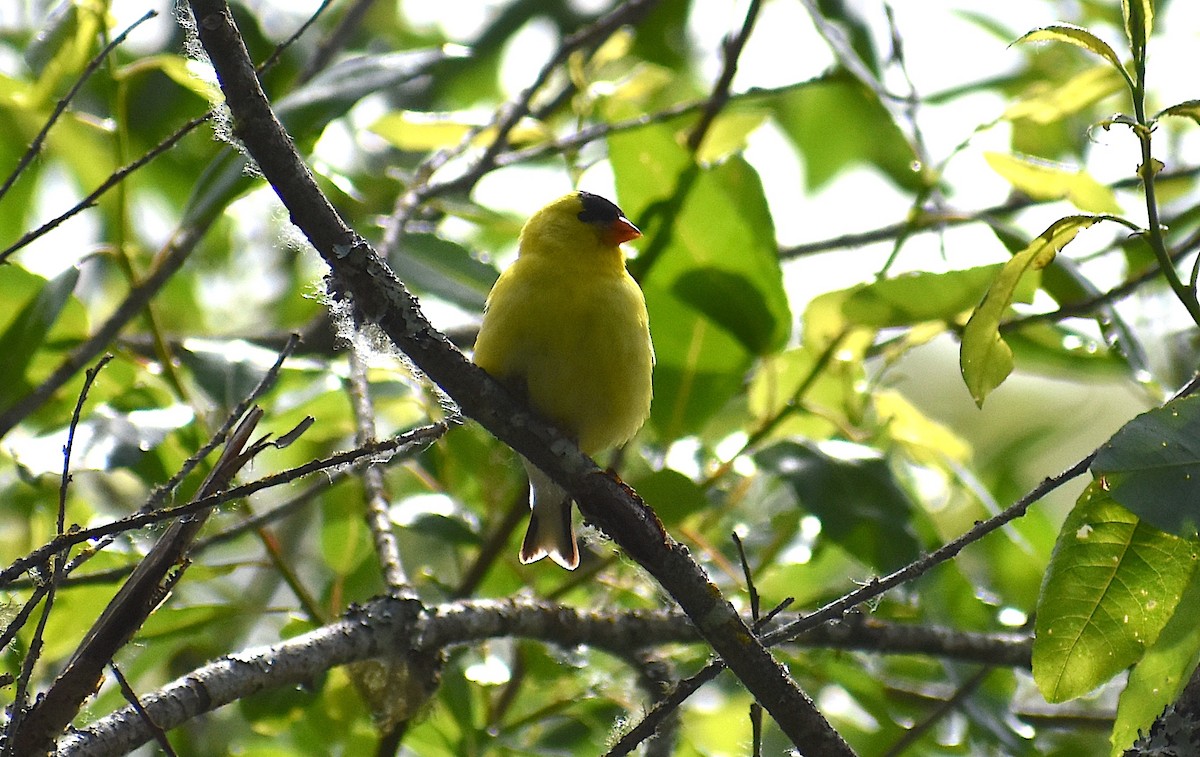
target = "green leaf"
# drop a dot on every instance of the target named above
(1075, 35)
(61, 50)
(1048, 103)
(1112, 584)
(729, 132)
(829, 392)
(444, 269)
(861, 507)
(1043, 180)
(1186, 109)
(420, 131)
(178, 69)
(984, 357)
(26, 333)
(174, 621)
(1139, 24)
(333, 91)
(1059, 351)
(1152, 466)
(1159, 678)
(673, 495)
(711, 274)
(837, 123)
(344, 537)
(917, 297)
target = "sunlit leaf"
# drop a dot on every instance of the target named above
(68, 39)
(918, 296)
(709, 269)
(1075, 35)
(729, 132)
(794, 395)
(1112, 584)
(837, 123)
(1043, 180)
(419, 132)
(1160, 676)
(1187, 109)
(1139, 24)
(1152, 466)
(180, 70)
(923, 438)
(984, 358)
(1047, 103)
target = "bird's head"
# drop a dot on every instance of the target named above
(578, 223)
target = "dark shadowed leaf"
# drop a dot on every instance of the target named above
(26, 333)
(1152, 466)
(442, 268)
(861, 506)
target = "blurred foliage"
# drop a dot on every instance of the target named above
(806, 392)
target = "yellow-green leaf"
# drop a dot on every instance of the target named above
(1048, 103)
(421, 132)
(1112, 584)
(180, 70)
(984, 358)
(1139, 23)
(728, 133)
(1075, 35)
(1043, 180)
(1159, 677)
(1186, 109)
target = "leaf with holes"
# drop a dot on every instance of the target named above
(1112, 584)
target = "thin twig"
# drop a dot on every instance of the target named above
(503, 122)
(160, 736)
(59, 561)
(914, 734)
(36, 145)
(418, 437)
(379, 521)
(874, 588)
(115, 178)
(731, 51)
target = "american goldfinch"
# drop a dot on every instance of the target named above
(566, 326)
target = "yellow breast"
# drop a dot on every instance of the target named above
(576, 341)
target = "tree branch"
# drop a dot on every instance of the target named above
(393, 626)
(378, 297)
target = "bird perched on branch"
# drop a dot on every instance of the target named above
(566, 327)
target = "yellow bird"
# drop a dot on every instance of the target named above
(566, 327)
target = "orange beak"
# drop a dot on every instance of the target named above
(620, 231)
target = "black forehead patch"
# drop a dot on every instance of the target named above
(596, 209)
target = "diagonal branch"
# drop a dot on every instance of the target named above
(378, 297)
